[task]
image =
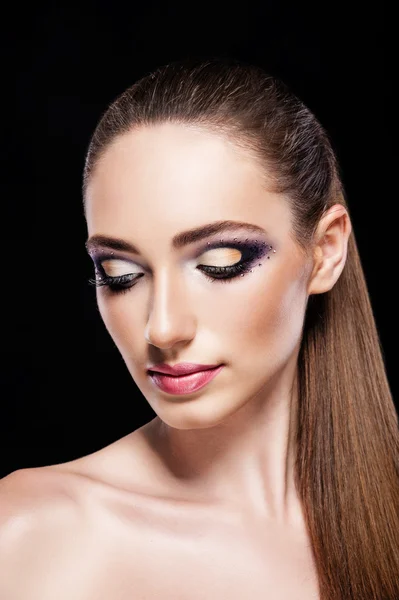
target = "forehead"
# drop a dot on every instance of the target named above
(180, 176)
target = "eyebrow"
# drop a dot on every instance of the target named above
(179, 240)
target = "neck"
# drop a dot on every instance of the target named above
(245, 462)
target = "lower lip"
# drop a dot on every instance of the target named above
(184, 384)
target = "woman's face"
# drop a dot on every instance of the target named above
(152, 185)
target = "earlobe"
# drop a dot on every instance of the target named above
(314, 279)
(331, 250)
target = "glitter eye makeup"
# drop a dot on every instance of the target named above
(116, 284)
(250, 252)
(243, 256)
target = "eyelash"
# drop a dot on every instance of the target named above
(116, 285)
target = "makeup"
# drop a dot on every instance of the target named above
(184, 384)
(246, 252)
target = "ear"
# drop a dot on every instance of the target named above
(330, 249)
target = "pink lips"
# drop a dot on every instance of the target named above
(190, 377)
(183, 368)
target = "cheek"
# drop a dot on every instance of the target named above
(266, 319)
(120, 318)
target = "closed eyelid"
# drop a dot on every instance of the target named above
(233, 249)
(115, 267)
(216, 256)
(244, 255)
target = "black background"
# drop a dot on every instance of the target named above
(65, 390)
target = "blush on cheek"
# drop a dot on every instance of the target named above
(271, 321)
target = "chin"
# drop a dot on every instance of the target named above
(202, 413)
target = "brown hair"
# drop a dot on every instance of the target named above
(347, 435)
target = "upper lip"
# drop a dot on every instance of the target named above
(183, 368)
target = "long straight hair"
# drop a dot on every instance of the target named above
(347, 434)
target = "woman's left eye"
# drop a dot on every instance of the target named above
(222, 271)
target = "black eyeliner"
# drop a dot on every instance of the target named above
(251, 252)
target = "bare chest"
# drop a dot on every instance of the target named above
(138, 548)
(229, 569)
(193, 559)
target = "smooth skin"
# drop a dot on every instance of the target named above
(200, 502)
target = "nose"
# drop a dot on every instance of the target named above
(170, 320)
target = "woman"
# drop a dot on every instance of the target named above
(270, 471)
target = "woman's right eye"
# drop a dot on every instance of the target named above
(115, 274)
(116, 284)
(115, 268)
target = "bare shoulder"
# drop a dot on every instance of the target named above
(28, 494)
(38, 506)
